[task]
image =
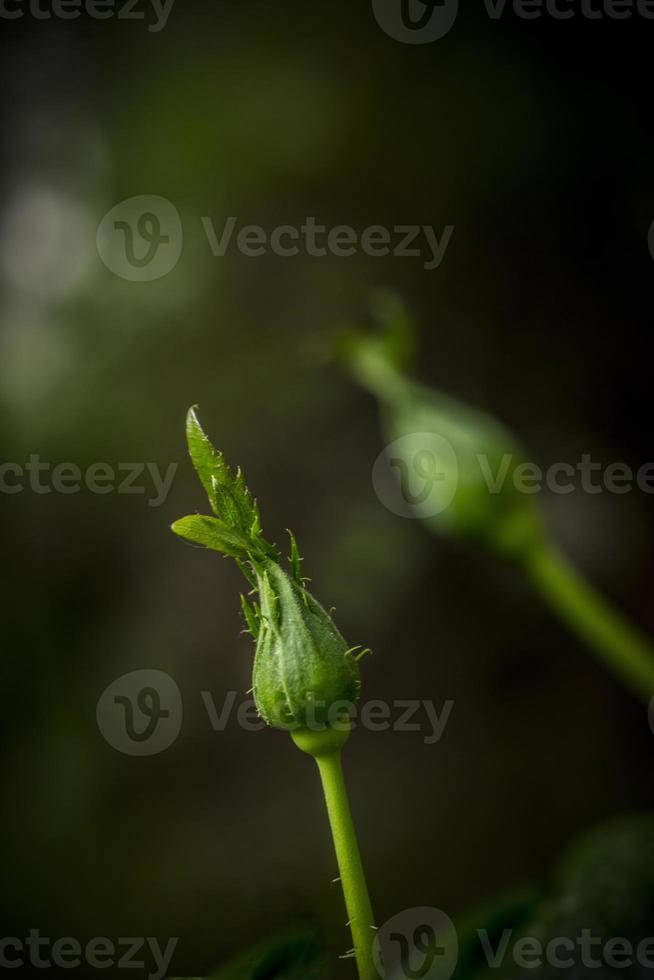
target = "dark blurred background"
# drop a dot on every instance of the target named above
(532, 138)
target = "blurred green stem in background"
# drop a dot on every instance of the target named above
(325, 747)
(615, 641)
(470, 500)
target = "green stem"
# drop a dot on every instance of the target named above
(325, 747)
(622, 647)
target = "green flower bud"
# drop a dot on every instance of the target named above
(304, 674)
(303, 669)
(455, 465)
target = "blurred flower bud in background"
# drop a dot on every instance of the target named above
(455, 464)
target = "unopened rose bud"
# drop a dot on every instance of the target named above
(302, 666)
(303, 669)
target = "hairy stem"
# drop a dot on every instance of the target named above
(325, 747)
(615, 641)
